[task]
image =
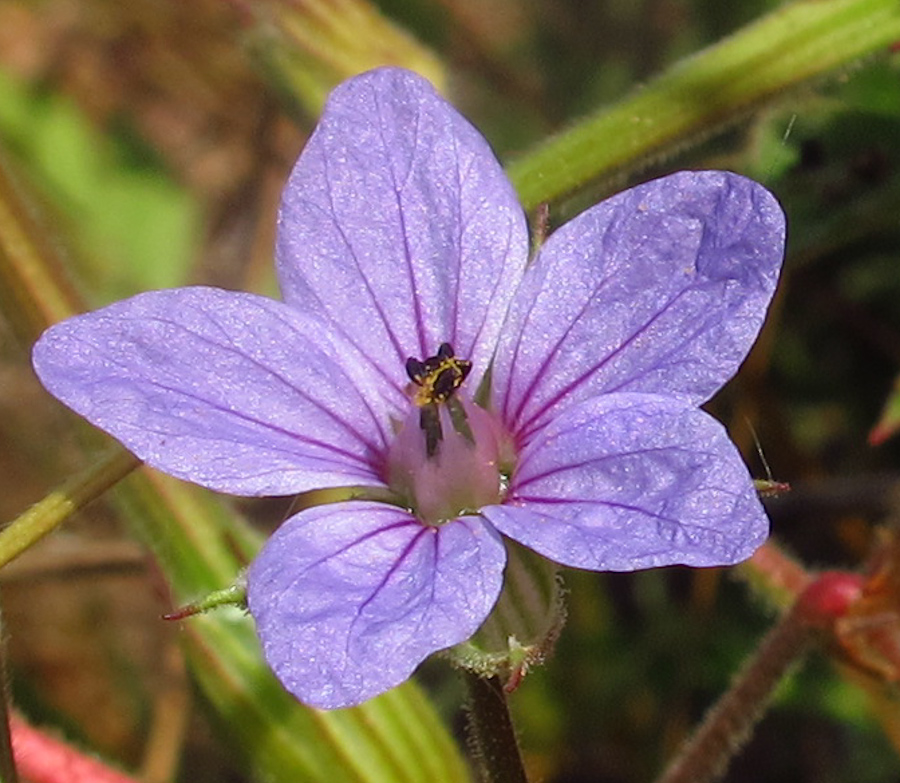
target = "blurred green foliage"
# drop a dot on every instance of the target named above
(136, 226)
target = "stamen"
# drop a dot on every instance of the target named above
(430, 422)
(460, 419)
(438, 378)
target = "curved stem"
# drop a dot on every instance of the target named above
(728, 724)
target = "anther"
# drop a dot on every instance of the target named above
(438, 377)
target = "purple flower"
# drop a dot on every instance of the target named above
(463, 393)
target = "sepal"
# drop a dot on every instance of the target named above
(523, 626)
(233, 595)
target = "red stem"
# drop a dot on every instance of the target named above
(730, 722)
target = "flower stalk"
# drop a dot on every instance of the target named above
(45, 759)
(492, 736)
(774, 574)
(307, 47)
(34, 291)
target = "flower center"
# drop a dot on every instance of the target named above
(446, 459)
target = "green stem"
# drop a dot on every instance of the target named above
(491, 732)
(720, 85)
(48, 514)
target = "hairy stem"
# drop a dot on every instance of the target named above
(491, 732)
(729, 723)
(795, 43)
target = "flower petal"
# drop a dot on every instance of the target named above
(628, 481)
(660, 289)
(229, 390)
(399, 224)
(349, 598)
